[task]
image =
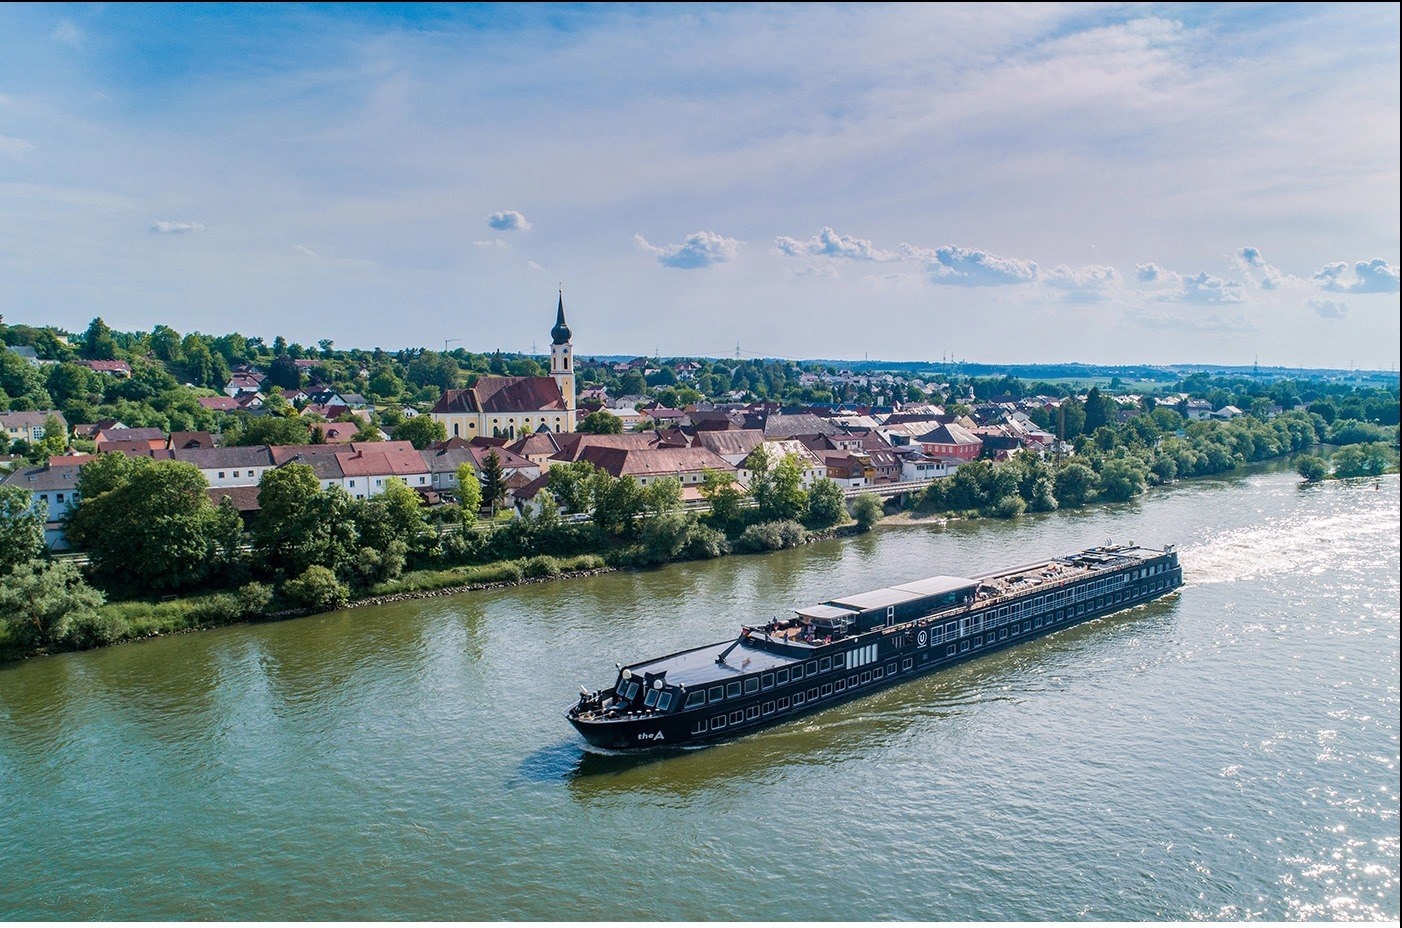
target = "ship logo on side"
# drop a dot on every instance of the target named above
(651, 736)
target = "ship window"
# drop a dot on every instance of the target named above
(812, 668)
(978, 642)
(650, 699)
(717, 722)
(698, 727)
(717, 693)
(964, 645)
(628, 691)
(827, 689)
(695, 698)
(891, 669)
(737, 716)
(783, 703)
(769, 707)
(782, 677)
(732, 689)
(839, 685)
(766, 681)
(797, 671)
(798, 698)
(825, 665)
(951, 630)
(950, 652)
(1002, 633)
(664, 702)
(866, 676)
(907, 664)
(752, 685)
(853, 680)
(877, 674)
(1027, 626)
(752, 713)
(812, 694)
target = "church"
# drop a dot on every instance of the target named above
(513, 407)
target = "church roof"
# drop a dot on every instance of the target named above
(504, 395)
(560, 333)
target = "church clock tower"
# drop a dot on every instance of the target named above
(562, 358)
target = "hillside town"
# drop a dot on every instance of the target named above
(528, 424)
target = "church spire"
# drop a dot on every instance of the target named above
(560, 334)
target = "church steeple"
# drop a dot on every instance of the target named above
(560, 334)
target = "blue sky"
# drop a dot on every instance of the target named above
(1148, 183)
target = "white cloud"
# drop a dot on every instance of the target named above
(1091, 283)
(490, 243)
(831, 244)
(166, 227)
(700, 249)
(15, 148)
(534, 266)
(68, 34)
(1257, 270)
(304, 250)
(508, 220)
(1328, 309)
(952, 264)
(1376, 276)
(1171, 287)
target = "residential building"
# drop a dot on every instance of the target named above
(27, 426)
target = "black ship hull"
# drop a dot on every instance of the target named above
(848, 668)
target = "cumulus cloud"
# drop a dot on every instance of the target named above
(1328, 309)
(1172, 287)
(1376, 276)
(508, 220)
(1257, 270)
(951, 264)
(829, 243)
(1089, 284)
(14, 148)
(700, 249)
(165, 227)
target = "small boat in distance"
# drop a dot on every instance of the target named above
(853, 645)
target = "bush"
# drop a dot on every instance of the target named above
(705, 542)
(772, 536)
(542, 565)
(1312, 468)
(219, 609)
(254, 599)
(95, 629)
(867, 510)
(317, 588)
(1010, 507)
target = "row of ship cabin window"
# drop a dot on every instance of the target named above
(783, 703)
(940, 634)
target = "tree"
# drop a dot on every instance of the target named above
(1312, 468)
(394, 514)
(493, 481)
(469, 492)
(42, 600)
(618, 502)
(283, 372)
(1121, 479)
(268, 430)
(663, 497)
(299, 524)
(420, 431)
(718, 488)
(98, 344)
(867, 510)
(827, 505)
(155, 530)
(21, 527)
(55, 440)
(601, 422)
(1075, 483)
(571, 485)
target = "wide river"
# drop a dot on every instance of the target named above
(1229, 752)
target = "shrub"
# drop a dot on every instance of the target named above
(1010, 507)
(542, 565)
(254, 599)
(317, 588)
(94, 629)
(867, 510)
(1312, 468)
(705, 542)
(219, 609)
(772, 536)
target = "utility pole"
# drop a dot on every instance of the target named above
(449, 341)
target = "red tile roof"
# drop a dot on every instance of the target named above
(503, 395)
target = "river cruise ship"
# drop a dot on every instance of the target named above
(853, 645)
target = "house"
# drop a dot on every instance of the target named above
(811, 468)
(732, 445)
(244, 382)
(1227, 412)
(55, 487)
(1197, 410)
(151, 438)
(335, 433)
(28, 354)
(239, 466)
(951, 441)
(219, 403)
(27, 426)
(511, 407)
(119, 369)
(189, 441)
(647, 465)
(443, 462)
(924, 467)
(362, 469)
